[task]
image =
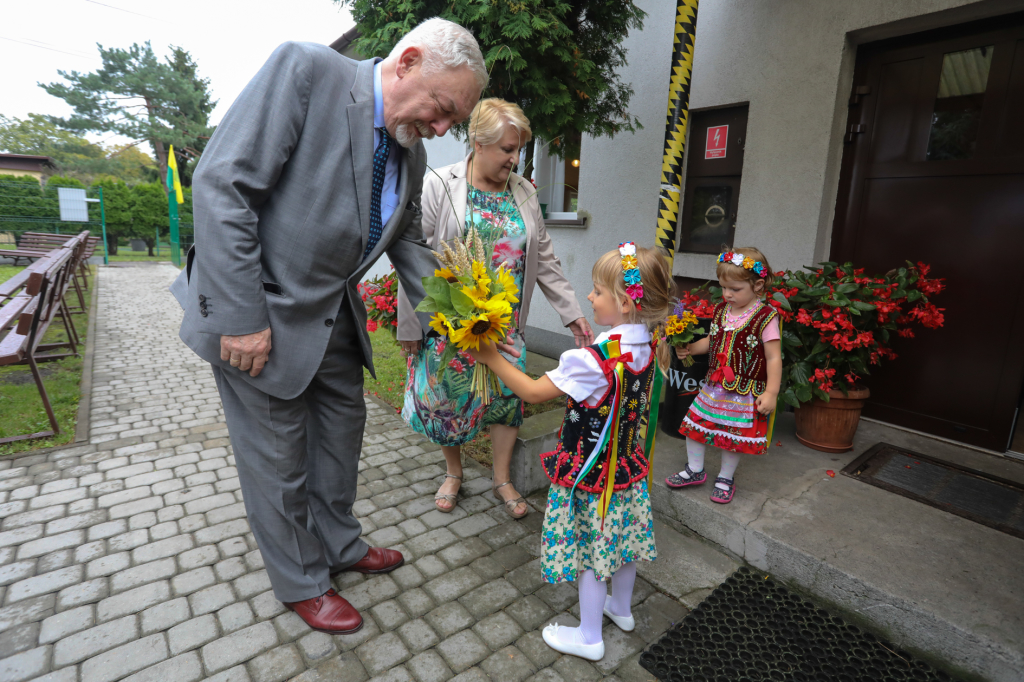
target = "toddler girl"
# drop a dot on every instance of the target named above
(597, 526)
(744, 372)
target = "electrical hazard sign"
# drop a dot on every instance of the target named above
(717, 137)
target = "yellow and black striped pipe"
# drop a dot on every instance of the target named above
(675, 126)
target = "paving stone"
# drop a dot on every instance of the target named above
(26, 665)
(222, 531)
(431, 567)
(129, 540)
(530, 612)
(528, 578)
(472, 675)
(656, 615)
(88, 643)
(127, 659)
(192, 634)
(416, 602)
(89, 551)
(33, 517)
(449, 618)
(200, 556)
(382, 653)
(371, 592)
(276, 665)
(511, 557)
(187, 583)
(432, 542)
(19, 638)
(407, 577)
(436, 518)
(184, 668)
(533, 645)
(487, 568)
(236, 674)
(317, 646)
(344, 668)
(112, 563)
(83, 593)
(133, 601)
(505, 534)
(498, 630)
(509, 664)
(44, 584)
(573, 668)
(165, 616)
(66, 623)
(489, 598)
(290, 625)
(464, 552)
(559, 596)
(211, 599)
(266, 605)
(453, 585)
(163, 548)
(618, 646)
(69, 674)
(429, 667)
(239, 646)
(19, 571)
(235, 617)
(130, 578)
(462, 650)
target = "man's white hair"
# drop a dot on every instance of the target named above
(445, 45)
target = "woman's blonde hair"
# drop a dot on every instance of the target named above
(737, 273)
(490, 117)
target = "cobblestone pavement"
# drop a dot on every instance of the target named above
(130, 557)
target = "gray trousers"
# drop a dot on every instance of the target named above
(297, 464)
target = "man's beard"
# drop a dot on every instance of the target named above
(406, 135)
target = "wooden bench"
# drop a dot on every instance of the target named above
(46, 241)
(29, 303)
(50, 242)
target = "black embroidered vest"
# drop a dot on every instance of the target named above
(741, 351)
(582, 427)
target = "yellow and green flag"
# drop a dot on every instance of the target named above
(173, 179)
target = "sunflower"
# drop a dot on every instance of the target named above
(440, 323)
(480, 274)
(495, 304)
(508, 284)
(445, 272)
(489, 326)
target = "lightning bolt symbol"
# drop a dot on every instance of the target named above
(717, 135)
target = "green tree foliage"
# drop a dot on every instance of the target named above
(73, 155)
(118, 201)
(149, 213)
(136, 95)
(20, 197)
(556, 59)
(181, 61)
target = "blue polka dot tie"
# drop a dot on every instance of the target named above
(380, 160)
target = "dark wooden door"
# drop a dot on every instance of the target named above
(933, 171)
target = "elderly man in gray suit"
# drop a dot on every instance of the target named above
(315, 172)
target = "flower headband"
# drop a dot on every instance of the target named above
(739, 260)
(631, 273)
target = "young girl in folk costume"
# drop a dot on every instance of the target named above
(732, 410)
(597, 525)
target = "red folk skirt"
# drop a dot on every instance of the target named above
(727, 420)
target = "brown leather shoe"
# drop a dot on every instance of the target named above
(377, 560)
(328, 613)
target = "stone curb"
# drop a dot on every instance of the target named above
(83, 419)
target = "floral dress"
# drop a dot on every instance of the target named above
(443, 409)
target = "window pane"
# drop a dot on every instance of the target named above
(954, 131)
(710, 223)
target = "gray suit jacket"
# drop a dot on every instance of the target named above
(282, 216)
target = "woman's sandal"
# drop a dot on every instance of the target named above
(692, 478)
(510, 505)
(723, 496)
(448, 497)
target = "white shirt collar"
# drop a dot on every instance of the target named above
(635, 334)
(378, 96)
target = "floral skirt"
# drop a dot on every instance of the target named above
(727, 420)
(572, 540)
(443, 409)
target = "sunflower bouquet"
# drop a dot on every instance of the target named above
(680, 328)
(472, 304)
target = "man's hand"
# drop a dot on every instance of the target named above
(582, 332)
(410, 347)
(248, 353)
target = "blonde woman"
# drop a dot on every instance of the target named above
(482, 191)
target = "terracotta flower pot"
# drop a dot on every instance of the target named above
(830, 426)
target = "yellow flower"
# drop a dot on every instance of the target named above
(480, 274)
(440, 324)
(495, 304)
(480, 329)
(478, 293)
(604, 410)
(628, 262)
(748, 262)
(447, 274)
(508, 283)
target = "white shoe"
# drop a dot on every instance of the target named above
(625, 623)
(554, 639)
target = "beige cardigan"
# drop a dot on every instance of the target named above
(442, 223)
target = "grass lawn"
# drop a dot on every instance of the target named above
(8, 271)
(20, 405)
(390, 387)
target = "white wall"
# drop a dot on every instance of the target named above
(792, 61)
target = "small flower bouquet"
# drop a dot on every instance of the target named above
(680, 328)
(380, 296)
(472, 304)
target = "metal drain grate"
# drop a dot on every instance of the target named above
(751, 629)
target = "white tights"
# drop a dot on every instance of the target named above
(592, 599)
(695, 458)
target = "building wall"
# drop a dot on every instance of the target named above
(792, 61)
(38, 175)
